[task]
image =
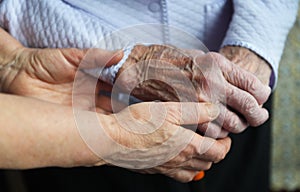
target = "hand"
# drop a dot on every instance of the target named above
(152, 140)
(249, 61)
(169, 74)
(48, 74)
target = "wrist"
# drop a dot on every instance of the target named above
(9, 66)
(90, 147)
(8, 47)
(78, 149)
(85, 148)
(249, 61)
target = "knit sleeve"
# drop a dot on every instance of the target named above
(262, 26)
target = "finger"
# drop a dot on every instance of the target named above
(224, 133)
(211, 130)
(188, 113)
(209, 149)
(182, 175)
(196, 164)
(95, 57)
(230, 120)
(186, 160)
(214, 131)
(242, 78)
(246, 104)
(226, 143)
(248, 82)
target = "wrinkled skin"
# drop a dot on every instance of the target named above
(249, 61)
(198, 154)
(166, 73)
(48, 74)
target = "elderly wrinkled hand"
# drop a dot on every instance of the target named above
(170, 74)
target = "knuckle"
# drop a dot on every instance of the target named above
(250, 106)
(252, 84)
(230, 93)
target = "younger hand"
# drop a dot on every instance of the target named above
(48, 74)
(149, 138)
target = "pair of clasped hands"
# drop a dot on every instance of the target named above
(48, 75)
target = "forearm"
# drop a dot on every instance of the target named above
(39, 134)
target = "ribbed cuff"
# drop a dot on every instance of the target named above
(108, 74)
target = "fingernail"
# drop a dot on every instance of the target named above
(269, 89)
(199, 176)
(212, 110)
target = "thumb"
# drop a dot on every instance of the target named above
(92, 58)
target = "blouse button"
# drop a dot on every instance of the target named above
(154, 6)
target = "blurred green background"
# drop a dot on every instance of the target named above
(285, 165)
